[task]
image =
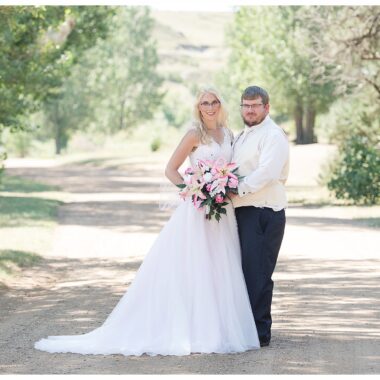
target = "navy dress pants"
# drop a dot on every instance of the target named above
(260, 232)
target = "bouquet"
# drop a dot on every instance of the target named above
(208, 184)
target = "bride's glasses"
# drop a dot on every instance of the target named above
(213, 104)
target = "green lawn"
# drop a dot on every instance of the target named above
(16, 184)
(373, 222)
(11, 260)
(27, 211)
(26, 224)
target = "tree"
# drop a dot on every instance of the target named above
(124, 68)
(38, 45)
(270, 48)
(349, 45)
(19, 53)
(113, 86)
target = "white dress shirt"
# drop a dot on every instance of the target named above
(262, 155)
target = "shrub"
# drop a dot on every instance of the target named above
(155, 144)
(355, 175)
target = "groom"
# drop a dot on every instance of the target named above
(261, 152)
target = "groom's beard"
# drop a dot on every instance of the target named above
(252, 122)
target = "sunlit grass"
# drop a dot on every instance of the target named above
(25, 211)
(373, 222)
(27, 222)
(13, 260)
(306, 195)
(17, 184)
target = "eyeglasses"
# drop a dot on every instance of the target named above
(247, 107)
(214, 104)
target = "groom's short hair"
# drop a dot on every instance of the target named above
(254, 92)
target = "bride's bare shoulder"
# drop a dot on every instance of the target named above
(193, 136)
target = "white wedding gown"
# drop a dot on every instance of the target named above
(188, 295)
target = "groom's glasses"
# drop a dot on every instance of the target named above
(247, 107)
(213, 104)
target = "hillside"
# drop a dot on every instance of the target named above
(191, 47)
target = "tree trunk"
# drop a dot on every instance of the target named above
(298, 118)
(122, 113)
(61, 135)
(121, 118)
(310, 122)
(57, 143)
(58, 138)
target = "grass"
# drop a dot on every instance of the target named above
(12, 260)
(27, 223)
(27, 211)
(373, 222)
(16, 184)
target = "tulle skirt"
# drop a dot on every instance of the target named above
(188, 296)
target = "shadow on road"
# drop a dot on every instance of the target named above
(325, 310)
(317, 304)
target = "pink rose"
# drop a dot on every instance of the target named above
(219, 199)
(208, 187)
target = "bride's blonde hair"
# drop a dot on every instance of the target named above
(198, 123)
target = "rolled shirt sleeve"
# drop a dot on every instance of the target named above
(273, 157)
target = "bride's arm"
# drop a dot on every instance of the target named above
(184, 148)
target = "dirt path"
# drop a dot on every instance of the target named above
(326, 300)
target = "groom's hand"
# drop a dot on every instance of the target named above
(231, 195)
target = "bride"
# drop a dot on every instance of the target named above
(189, 293)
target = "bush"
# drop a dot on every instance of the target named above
(20, 143)
(155, 144)
(355, 114)
(355, 175)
